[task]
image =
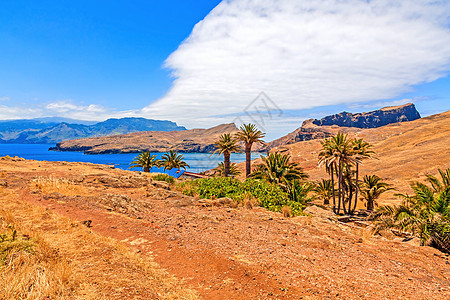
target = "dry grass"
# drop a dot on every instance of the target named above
(366, 234)
(287, 212)
(49, 185)
(29, 267)
(249, 202)
(57, 258)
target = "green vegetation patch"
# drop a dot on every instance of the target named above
(269, 196)
(164, 177)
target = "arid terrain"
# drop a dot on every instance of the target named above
(405, 152)
(117, 234)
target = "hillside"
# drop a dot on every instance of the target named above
(406, 151)
(347, 122)
(102, 233)
(54, 130)
(194, 140)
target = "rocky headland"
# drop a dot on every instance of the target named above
(348, 123)
(194, 140)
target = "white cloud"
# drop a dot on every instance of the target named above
(4, 98)
(63, 108)
(67, 106)
(304, 54)
(92, 112)
(7, 112)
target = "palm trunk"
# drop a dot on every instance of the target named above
(226, 156)
(332, 187)
(356, 187)
(369, 203)
(248, 159)
(339, 188)
(350, 197)
(345, 191)
(146, 169)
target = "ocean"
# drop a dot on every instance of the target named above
(198, 162)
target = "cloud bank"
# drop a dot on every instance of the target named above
(63, 108)
(303, 54)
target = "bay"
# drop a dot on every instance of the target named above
(198, 162)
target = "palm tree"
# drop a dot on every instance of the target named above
(145, 161)
(324, 189)
(371, 189)
(173, 160)
(434, 181)
(327, 158)
(337, 154)
(426, 213)
(234, 170)
(249, 134)
(299, 191)
(362, 150)
(225, 145)
(277, 168)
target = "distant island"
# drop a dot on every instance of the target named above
(193, 140)
(55, 130)
(203, 140)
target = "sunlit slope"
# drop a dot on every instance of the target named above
(405, 151)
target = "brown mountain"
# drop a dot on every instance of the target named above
(194, 140)
(349, 123)
(406, 151)
(373, 119)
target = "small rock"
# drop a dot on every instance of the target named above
(414, 241)
(87, 223)
(319, 212)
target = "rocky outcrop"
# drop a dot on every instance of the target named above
(347, 123)
(194, 140)
(373, 119)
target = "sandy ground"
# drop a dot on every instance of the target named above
(232, 253)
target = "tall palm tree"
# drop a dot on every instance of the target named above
(371, 189)
(249, 134)
(173, 160)
(337, 154)
(225, 145)
(145, 161)
(362, 150)
(277, 168)
(324, 190)
(327, 158)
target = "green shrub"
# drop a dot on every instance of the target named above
(269, 196)
(164, 177)
(426, 213)
(10, 243)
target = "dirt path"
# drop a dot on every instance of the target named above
(236, 253)
(214, 276)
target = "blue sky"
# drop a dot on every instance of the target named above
(192, 61)
(104, 52)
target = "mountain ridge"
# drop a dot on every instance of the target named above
(348, 123)
(46, 131)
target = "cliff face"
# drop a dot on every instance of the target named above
(372, 119)
(347, 123)
(194, 140)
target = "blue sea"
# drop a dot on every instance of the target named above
(198, 162)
